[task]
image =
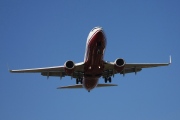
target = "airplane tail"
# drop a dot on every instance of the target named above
(81, 86)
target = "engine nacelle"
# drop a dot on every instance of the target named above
(119, 64)
(69, 67)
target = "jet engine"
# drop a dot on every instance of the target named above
(119, 64)
(69, 67)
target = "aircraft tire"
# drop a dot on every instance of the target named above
(105, 80)
(77, 81)
(109, 79)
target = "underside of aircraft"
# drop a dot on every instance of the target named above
(88, 72)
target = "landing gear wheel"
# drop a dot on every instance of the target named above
(77, 81)
(81, 80)
(109, 79)
(105, 80)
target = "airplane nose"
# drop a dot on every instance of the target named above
(97, 28)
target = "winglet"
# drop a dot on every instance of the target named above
(170, 59)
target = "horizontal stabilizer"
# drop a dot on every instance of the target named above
(71, 86)
(106, 85)
(81, 86)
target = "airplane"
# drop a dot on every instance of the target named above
(88, 72)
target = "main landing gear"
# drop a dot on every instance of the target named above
(107, 79)
(79, 80)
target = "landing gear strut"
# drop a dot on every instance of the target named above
(106, 79)
(79, 80)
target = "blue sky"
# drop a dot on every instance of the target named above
(46, 33)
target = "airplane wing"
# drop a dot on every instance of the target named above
(53, 71)
(130, 67)
(39, 70)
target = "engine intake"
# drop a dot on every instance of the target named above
(69, 67)
(119, 64)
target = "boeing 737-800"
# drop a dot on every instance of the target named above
(87, 73)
